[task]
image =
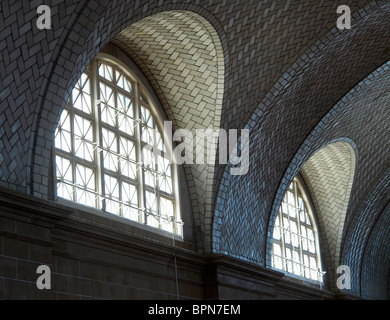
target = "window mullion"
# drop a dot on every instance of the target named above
(118, 137)
(177, 227)
(72, 149)
(156, 176)
(138, 145)
(296, 194)
(101, 202)
(282, 230)
(290, 233)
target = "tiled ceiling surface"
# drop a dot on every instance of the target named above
(288, 75)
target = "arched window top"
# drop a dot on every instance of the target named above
(110, 152)
(295, 247)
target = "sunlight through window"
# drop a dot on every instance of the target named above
(100, 155)
(295, 246)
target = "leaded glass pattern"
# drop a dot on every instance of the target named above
(295, 246)
(102, 150)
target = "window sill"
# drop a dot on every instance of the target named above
(90, 215)
(298, 279)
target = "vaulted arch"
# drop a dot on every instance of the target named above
(179, 51)
(376, 260)
(365, 241)
(283, 138)
(182, 56)
(329, 175)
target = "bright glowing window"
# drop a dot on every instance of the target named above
(295, 247)
(101, 150)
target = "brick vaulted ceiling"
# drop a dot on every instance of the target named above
(181, 53)
(289, 76)
(329, 175)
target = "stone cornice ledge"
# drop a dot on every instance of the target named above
(230, 272)
(27, 207)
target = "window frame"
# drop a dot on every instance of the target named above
(144, 96)
(298, 190)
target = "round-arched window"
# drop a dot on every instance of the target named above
(295, 247)
(110, 152)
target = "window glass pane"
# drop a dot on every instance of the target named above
(307, 266)
(277, 233)
(312, 247)
(81, 95)
(291, 204)
(148, 157)
(146, 117)
(165, 176)
(148, 136)
(166, 206)
(287, 232)
(151, 207)
(284, 206)
(125, 114)
(304, 238)
(108, 113)
(64, 178)
(296, 265)
(83, 139)
(64, 191)
(288, 253)
(110, 150)
(63, 133)
(313, 268)
(310, 234)
(307, 219)
(277, 223)
(111, 188)
(85, 182)
(64, 169)
(106, 72)
(159, 141)
(277, 257)
(123, 82)
(301, 209)
(290, 199)
(85, 177)
(294, 233)
(149, 170)
(277, 249)
(289, 260)
(128, 158)
(150, 179)
(130, 199)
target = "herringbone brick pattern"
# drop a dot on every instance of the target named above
(285, 68)
(182, 55)
(277, 126)
(363, 231)
(329, 177)
(365, 205)
(376, 257)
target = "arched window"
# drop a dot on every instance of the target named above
(103, 152)
(295, 247)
